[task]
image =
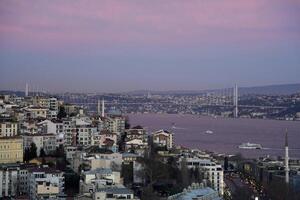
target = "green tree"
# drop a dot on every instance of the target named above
(184, 173)
(26, 155)
(127, 123)
(42, 153)
(61, 113)
(32, 151)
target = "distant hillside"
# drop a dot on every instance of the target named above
(272, 89)
(285, 89)
(10, 92)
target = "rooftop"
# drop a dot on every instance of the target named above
(206, 193)
(116, 190)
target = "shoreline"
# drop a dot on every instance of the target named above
(228, 133)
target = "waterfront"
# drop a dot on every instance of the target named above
(228, 133)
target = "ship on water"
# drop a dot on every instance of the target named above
(249, 145)
(209, 132)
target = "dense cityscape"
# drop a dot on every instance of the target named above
(215, 103)
(150, 100)
(50, 149)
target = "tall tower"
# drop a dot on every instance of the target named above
(98, 107)
(235, 101)
(26, 90)
(103, 108)
(286, 158)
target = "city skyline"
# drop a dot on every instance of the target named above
(114, 46)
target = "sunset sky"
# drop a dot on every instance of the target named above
(124, 45)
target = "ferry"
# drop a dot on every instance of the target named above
(249, 145)
(209, 132)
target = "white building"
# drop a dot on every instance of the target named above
(98, 178)
(47, 142)
(210, 169)
(97, 160)
(163, 138)
(53, 104)
(36, 112)
(46, 183)
(113, 193)
(8, 180)
(196, 192)
(8, 127)
(69, 130)
(114, 124)
(84, 135)
(48, 126)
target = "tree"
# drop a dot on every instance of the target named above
(42, 153)
(226, 163)
(32, 151)
(197, 175)
(26, 155)
(127, 123)
(184, 173)
(60, 152)
(61, 113)
(127, 173)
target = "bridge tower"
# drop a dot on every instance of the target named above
(235, 101)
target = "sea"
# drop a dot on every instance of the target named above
(224, 135)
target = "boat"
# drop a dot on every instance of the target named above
(209, 132)
(249, 145)
(173, 126)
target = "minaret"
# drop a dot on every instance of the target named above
(286, 158)
(102, 114)
(98, 107)
(26, 90)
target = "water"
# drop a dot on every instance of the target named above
(228, 133)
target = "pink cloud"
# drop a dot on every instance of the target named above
(110, 22)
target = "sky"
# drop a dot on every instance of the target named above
(126, 45)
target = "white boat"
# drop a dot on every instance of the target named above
(209, 132)
(249, 145)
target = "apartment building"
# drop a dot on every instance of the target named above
(163, 138)
(46, 183)
(11, 149)
(8, 127)
(212, 171)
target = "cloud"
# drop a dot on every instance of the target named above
(50, 24)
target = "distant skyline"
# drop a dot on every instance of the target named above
(127, 45)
